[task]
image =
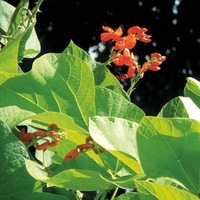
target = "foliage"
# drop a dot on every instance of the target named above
(68, 127)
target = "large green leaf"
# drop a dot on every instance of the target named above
(79, 179)
(118, 136)
(73, 49)
(192, 90)
(169, 147)
(81, 173)
(153, 191)
(72, 131)
(111, 104)
(180, 107)
(57, 83)
(9, 56)
(104, 78)
(15, 182)
(49, 196)
(102, 75)
(128, 196)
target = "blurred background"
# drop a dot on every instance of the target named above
(173, 24)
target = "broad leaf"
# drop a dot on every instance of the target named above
(15, 182)
(56, 83)
(49, 196)
(111, 104)
(153, 191)
(180, 107)
(170, 148)
(79, 179)
(128, 196)
(116, 135)
(102, 75)
(73, 49)
(192, 90)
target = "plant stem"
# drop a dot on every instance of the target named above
(114, 193)
(43, 159)
(99, 153)
(133, 83)
(101, 194)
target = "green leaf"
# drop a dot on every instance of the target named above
(153, 191)
(111, 104)
(84, 180)
(116, 135)
(180, 107)
(24, 42)
(67, 123)
(104, 78)
(16, 17)
(15, 182)
(6, 12)
(170, 148)
(192, 90)
(73, 49)
(48, 196)
(123, 178)
(128, 196)
(56, 83)
(36, 170)
(9, 56)
(102, 75)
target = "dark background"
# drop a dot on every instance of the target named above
(173, 24)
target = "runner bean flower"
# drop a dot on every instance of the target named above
(121, 55)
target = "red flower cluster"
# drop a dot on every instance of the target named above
(52, 132)
(80, 148)
(121, 51)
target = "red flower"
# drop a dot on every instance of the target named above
(139, 33)
(130, 74)
(55, 142)
(127, 58)
(110, 34)
(42, 146)
(72, 154)
(82, 147)
(26, 137)
(39, 134)
(125, 42)
(154, 62)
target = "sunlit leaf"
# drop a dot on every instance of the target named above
(153, 191)
(111, 104)
(102, 75)
(128, 196)
(36, 171)
(180, 107)
(57, 83)
(78, 179)
(115, 134)
(169, 147)
(192, 90)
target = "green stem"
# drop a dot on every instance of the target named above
(114, 193)
(32, 143)
(133, 83)
(101, 194)
(99, 153)
(43, 159)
